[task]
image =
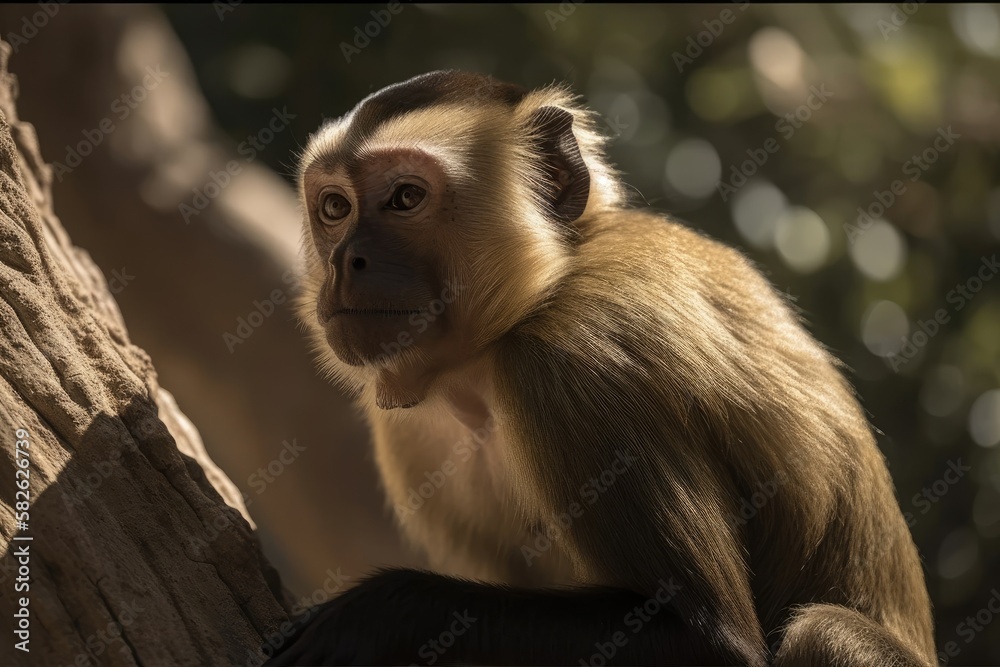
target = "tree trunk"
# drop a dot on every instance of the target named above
(138, 547)
(188, 283)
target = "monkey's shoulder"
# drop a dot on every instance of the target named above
(641, 272)
(639, 247)
(648, 297)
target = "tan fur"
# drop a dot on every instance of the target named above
(640, 336)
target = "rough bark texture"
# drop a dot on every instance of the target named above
(136, 557)
(191, 280)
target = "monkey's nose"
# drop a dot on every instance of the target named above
(359, 263)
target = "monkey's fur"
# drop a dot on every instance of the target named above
(581, 332)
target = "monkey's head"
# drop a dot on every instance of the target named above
(439, 213)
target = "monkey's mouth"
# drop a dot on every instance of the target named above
(376, 312)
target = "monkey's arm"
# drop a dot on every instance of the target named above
(409, 616)
(572, 415)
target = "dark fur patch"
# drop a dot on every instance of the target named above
(421, 92)
(428, 89)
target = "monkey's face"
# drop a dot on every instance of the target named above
(373, 223)
(440, 212)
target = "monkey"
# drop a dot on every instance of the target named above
(573, 401)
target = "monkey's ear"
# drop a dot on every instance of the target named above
(567, 179)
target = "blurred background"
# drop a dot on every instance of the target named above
(850, 150)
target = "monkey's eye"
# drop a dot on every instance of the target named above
(406, 197)
(334, 207)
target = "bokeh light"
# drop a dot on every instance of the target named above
(756, 209)
(802, 239)
(693, 168)
(978, 26)
(984, 419)
(883, 327)
(879, 252)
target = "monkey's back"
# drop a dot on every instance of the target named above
(748, 404)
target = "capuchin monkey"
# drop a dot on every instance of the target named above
(611, 436)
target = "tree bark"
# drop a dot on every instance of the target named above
(139, 548)
(187, 284)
